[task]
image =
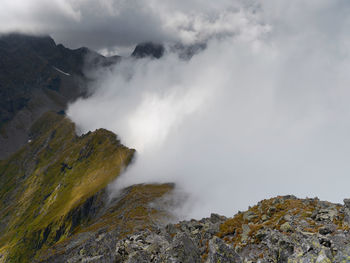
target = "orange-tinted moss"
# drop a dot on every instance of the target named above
(274, 210)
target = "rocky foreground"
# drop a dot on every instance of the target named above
(282, 229)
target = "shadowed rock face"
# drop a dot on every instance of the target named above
(152, 50)
(186, 52)
(30, 63)
(36, 75)
(148, 49)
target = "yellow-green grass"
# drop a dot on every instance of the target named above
(49, 177)
(232, 229)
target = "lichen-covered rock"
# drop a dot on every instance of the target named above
(219, 251)
(183, 249)
(286, 227)
(293, 233)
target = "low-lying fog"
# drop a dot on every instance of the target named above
(264, 110)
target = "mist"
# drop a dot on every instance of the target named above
(114, 26)
(262, 111)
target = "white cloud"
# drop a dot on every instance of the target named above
(260, 112)
(107, 24)
(36, 16)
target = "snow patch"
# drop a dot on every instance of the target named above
(60, 71)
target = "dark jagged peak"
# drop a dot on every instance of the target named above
(153, 50)
(41, 43)
(95, 60)
(186, 52)
(148, 49)
(36, 75)
(68, 60)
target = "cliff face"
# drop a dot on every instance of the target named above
(148, 50)
(55, 187)
(36, 75)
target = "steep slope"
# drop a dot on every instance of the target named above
(36, 75)
(55, 183)
(138, 208)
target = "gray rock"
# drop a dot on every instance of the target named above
(215, 218)
(139, 257)
(286, 227)
(249, 216)
(184, 250)
(326, 230)
(326, 214)
(308, 237)
(245, 233)
(219, 251)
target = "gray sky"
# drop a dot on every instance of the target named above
(109, 24)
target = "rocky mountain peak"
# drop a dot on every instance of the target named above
(148, 49)
(17, 40)
(280, 229)
(36, 75)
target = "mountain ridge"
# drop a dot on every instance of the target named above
(48, 178)
(56, 207)
(56, 203)
(280, 229)
(32, 82)
(38, 75)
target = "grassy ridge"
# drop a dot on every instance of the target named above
(50, 177)
(132, 212)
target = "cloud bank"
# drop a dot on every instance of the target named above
(112, 25)
(261, 112)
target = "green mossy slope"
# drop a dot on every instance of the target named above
(133, 211)
(48, 187)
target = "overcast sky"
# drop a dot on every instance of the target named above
(264, 110)
(111, 24)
